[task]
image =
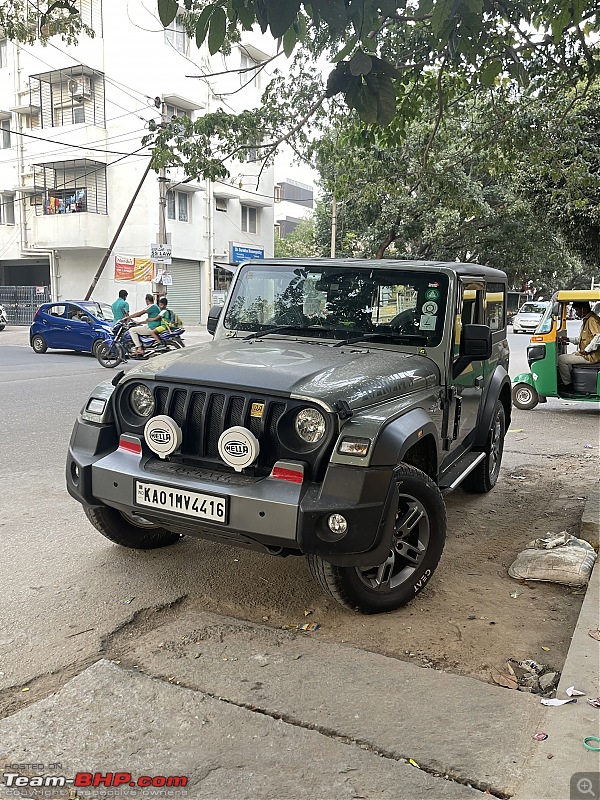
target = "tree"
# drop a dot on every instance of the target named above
(27, 20)
(300, 243)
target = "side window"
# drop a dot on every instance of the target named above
(495, 305)
(470, 309)
(56, 311)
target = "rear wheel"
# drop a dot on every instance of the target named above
(483, 478)
(417, 544)
(524, 397)
(109, 354)
(129, 531)
(38, 344)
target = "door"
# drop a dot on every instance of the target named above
(185, 294)
(54, 321)
(468, 386)
(79, 330)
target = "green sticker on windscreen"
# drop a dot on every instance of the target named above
(432, 294)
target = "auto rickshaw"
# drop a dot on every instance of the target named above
(531, 388)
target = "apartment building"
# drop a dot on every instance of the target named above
(294, 201)
(71, 123)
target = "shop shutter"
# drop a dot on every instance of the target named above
(186, 292)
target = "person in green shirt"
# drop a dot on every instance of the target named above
(149, 329)
(120, 307)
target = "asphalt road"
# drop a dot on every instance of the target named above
(65, 588)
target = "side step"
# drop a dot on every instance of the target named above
(459, 471)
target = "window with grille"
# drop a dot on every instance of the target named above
(70, 96)
(70, 187)
(3, 54)
(249, 219)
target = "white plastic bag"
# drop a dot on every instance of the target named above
(557, 558)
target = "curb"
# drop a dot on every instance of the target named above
(561, 760)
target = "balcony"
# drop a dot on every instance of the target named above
(72, 96)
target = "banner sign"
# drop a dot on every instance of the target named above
(160, 253)
(138, 270)
(244, 252)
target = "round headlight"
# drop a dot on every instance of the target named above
(310, 425)
(141, 401)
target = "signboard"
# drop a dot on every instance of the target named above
(160, 253)
(218, 297)
(244, 252)
(164, 277)
(138, 270)
(39, 290)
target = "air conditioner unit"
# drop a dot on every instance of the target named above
(80, 87)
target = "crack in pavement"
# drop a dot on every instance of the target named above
(364, 744)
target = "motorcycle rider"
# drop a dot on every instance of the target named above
(153, 321)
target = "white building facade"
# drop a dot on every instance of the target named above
(71, 123)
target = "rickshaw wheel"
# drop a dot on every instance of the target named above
(524, 397)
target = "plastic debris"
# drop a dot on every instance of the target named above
(127, 602)
(515, 430)
(573, 692)
(595, 702)
(308, 627)
(546, 649)
(529, 665)
(307, 612)
(516, 594)
(518, 477)
(589, 446)
(555, 702)
(508, 681)
(413, 763)
(540, 737)
(595, 634)
(25, 689)
(555, 558)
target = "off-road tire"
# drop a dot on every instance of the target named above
(112, 524)
(483, 478)
(346, 585)
(524, 397)
(38, 344)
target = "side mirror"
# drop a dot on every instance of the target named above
(213, 319)
(555, 309)
(476, 343)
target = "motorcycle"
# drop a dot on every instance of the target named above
(120, 346)
(2, 318)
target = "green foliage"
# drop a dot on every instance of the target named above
(26, 22)
(301, 243)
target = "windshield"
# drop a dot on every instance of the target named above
(545, 324)
(100, 310)
(533, 308)
(395, 305)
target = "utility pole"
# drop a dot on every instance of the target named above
(333, 225)
(159, 289)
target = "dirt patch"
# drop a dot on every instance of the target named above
(466, 620)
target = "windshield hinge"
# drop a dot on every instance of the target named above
(343, 409)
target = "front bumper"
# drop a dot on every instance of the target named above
(268, 514)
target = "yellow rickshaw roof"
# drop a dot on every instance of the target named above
(578, 294)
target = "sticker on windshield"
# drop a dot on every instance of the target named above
(428, 322)
(432, 294)
(430, 307)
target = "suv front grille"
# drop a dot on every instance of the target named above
(204, 415)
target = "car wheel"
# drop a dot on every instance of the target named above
(2, 327)
(109, 354)
(38, 344)
(129, 531)
(96, 345)
(483, 478)
(524, 397)
(417, 545)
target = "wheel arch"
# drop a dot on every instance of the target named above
(410, 438)
(499, 388)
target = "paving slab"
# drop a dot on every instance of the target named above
(590, 519)
(109, 720)
(476, 733)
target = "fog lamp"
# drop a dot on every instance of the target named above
(337, 524)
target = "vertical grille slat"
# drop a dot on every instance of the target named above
(177, 409)
(161, 395)
(213, 425)
(192, 442)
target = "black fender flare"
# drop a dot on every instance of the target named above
(496, 384)
(400, 435)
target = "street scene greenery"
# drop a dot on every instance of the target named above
(444, 129)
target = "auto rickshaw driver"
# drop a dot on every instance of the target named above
(589, 329)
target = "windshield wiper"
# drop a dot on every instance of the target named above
(274, 329)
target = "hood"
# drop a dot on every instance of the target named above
(360, 375)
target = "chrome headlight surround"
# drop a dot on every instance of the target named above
(141, 401)
(310, 425)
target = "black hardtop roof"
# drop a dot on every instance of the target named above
(473, 270)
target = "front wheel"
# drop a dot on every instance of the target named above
(483, 478)
(416, 548)
(38, 344)
(524, 397)
(129, 531)
(109, 354)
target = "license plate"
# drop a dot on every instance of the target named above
(178, 501)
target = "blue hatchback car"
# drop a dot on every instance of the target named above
(71, 325)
